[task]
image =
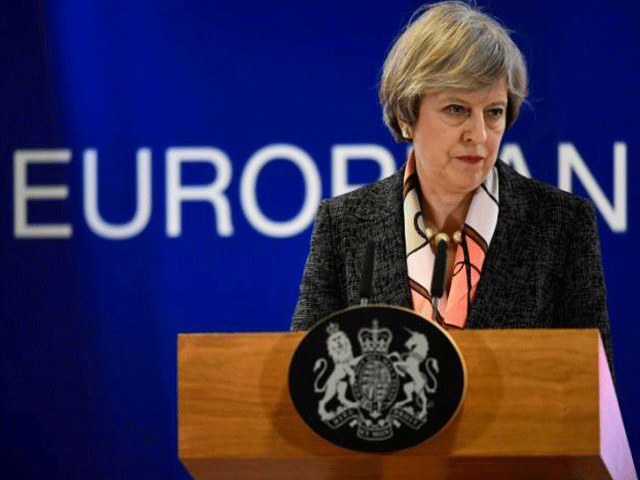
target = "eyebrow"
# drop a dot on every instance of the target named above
(455, 99)
(498, 104)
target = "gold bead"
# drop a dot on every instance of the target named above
(441, 236)
(429, 233)
(457, 236)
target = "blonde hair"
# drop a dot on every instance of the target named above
(449, 44)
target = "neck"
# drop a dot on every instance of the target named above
(447, 213)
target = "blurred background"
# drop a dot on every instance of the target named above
(160, 165)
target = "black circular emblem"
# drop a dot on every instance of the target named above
(377, 378)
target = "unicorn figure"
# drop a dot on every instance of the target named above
(417, 389)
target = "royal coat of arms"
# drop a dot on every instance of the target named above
(377, 390)
(377, 378)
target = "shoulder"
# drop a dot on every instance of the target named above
(532, 198)
(370, 212)
(367, 201)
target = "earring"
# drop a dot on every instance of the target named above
(405, 134)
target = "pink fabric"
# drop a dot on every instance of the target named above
(614, 446)
(455, 312)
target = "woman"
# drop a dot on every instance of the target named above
(521, 254)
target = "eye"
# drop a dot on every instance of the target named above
(495, 113)
(455, 110)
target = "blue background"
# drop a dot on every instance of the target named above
(88, 325)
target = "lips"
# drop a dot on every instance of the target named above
(471, 159)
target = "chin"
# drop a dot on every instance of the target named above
(468, 184)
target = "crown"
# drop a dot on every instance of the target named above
(333, 328)
(374, 340)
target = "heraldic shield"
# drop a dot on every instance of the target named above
(377, 378)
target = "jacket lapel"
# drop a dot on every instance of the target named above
(488, 307)
(380, 218)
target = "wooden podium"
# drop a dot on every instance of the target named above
(540, 404)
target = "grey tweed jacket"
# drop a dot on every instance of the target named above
(542, 268)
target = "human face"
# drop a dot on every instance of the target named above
(456, 139)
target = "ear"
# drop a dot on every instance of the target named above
(406, 129)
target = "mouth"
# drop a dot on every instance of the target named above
(471, 159)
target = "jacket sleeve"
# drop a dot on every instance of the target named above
(583, 302)
(320, 292)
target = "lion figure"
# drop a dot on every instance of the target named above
(340, 351)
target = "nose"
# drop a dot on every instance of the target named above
(475, 130)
